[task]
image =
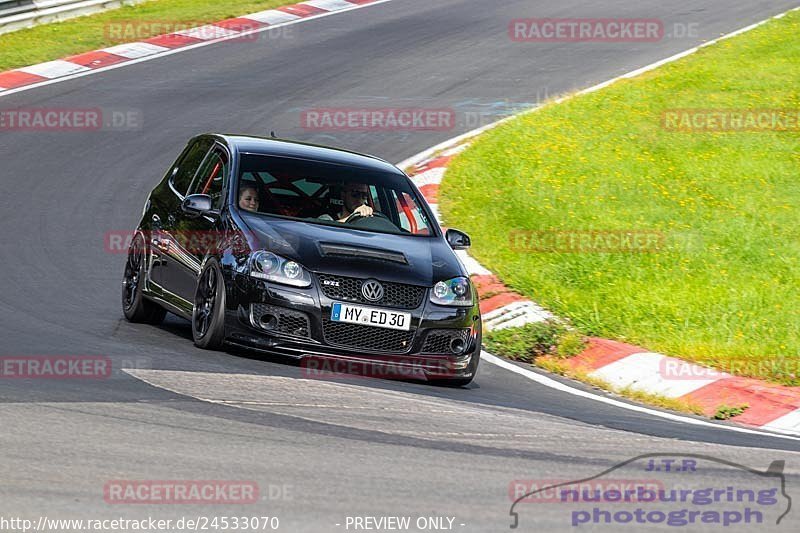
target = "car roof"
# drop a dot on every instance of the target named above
(288, 148)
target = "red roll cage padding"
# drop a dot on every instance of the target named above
(412, 222)
(213, 175)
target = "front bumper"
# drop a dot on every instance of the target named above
(443, 342)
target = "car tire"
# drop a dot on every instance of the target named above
(208, 311)
(135, 306)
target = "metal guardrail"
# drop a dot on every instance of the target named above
(12, 7)
(18, 14)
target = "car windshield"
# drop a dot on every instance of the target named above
(330, 194)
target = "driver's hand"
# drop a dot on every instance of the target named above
(364, 211)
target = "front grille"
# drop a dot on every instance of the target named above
(367, 337)
(395, 295)
(289, 322)
(437, 341)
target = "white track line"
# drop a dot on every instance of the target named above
(238, 35)
(557, 385)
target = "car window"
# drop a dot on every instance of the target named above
(309, 188)
(323, 193)
(262, 177)
(282, 192)
(212, 177)
(188, 164)
(412, 218)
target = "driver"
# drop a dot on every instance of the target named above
(354, 199)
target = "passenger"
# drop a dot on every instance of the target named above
(248, 197)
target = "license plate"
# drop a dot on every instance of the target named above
(370, 316)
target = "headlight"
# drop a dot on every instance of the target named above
(454, 291)
(266, 265)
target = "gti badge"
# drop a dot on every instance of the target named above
(372, 290)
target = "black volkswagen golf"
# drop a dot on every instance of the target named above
(304, 251)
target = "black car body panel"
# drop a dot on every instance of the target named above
(443, 340)
(425, 264)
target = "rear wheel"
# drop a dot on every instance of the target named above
(136, 307)
(208, 313)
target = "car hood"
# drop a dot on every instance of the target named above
(318, 248)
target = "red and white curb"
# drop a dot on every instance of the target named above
(119, 55)
(770, 406)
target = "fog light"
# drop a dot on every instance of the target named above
(269, 321)
(457, 346)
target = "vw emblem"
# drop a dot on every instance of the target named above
(372, 290)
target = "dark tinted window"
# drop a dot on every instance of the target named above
(188, 165)
(326, 193)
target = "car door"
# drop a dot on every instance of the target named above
(192, 236)
(165, 204)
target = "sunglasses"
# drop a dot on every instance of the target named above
(359, 195)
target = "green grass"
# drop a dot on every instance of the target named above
(726, 412)
(530, 341)
(74, 36)
(725, 286)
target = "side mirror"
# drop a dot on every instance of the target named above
(197, 204)
(458, 240)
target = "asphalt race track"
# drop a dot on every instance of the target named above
(319, 450)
